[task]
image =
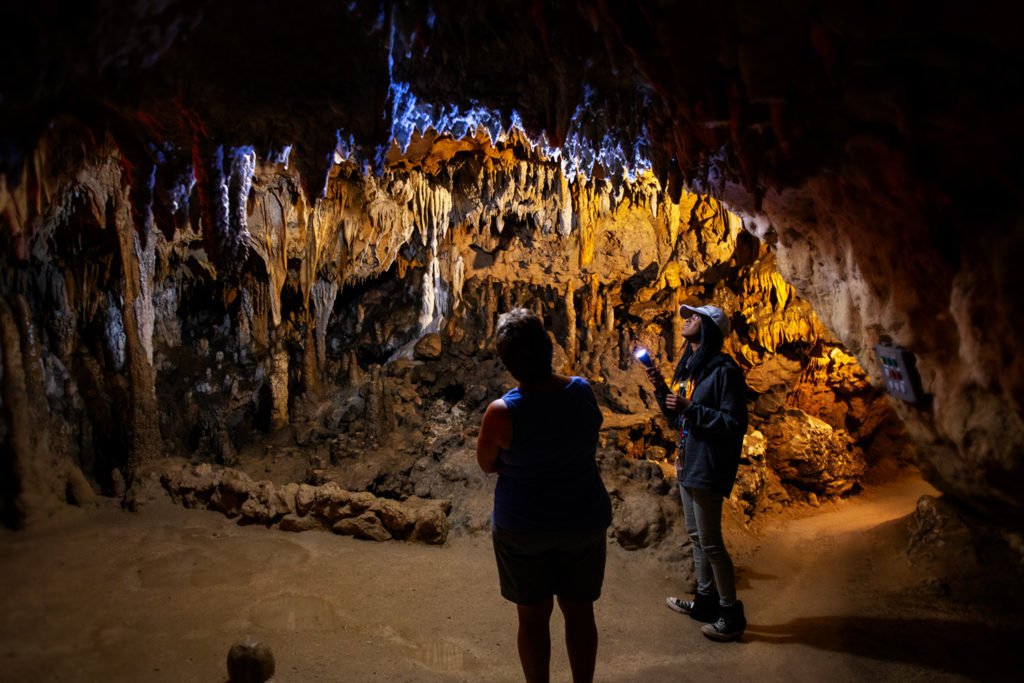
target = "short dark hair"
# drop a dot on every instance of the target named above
(524, 346)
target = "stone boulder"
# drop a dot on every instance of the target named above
(809, 454)
(234, 487)
(293, 522)
(752, 476)
(395, 517)
(638, 521)
(775, 370)
(301, 507)
(428, 347)
(366, 526)
(430, 520)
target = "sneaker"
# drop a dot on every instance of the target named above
(701, 608)
(730, 624)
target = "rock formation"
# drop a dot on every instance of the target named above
(351, 344)
(200, 252)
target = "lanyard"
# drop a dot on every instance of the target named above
(684, 428)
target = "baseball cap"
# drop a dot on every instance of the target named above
(713, 312)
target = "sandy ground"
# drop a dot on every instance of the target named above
(161, 596)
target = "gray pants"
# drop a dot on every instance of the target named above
(702, 511)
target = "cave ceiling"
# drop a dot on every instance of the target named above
(874, 147)
(769, 92)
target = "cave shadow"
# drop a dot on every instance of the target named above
(745, 575)
(974, 649)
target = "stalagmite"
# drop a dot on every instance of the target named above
(145, 314)
(145, 432)
(490, 309)
(278, 378)
(609, 316)
(677, 329)
(323, 296)
(570, 323)
(376, 404)
(458, 282)
(310, 358)
(34, 464)
(18, 444)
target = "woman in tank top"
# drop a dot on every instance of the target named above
(551, 509)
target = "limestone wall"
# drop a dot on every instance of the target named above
(350, 341)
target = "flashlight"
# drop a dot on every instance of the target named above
(641, 355)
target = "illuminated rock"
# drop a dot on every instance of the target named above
(809, 454)
(428, 347)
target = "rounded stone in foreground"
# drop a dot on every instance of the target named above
(250, 661)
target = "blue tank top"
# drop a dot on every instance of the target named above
(548, 479)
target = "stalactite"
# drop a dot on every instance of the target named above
(323, 297)
(26, 198)
(431, 297)
(774, 314)
(220, 182)
(329, 230)
(254, 309)
(585, 209)
(268, 231)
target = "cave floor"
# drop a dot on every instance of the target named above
(103, 595)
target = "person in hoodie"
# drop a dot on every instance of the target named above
(706, 403)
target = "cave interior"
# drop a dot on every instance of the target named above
(253, 254)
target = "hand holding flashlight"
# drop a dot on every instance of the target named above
(643, 356)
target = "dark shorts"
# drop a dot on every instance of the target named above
(533, 567)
